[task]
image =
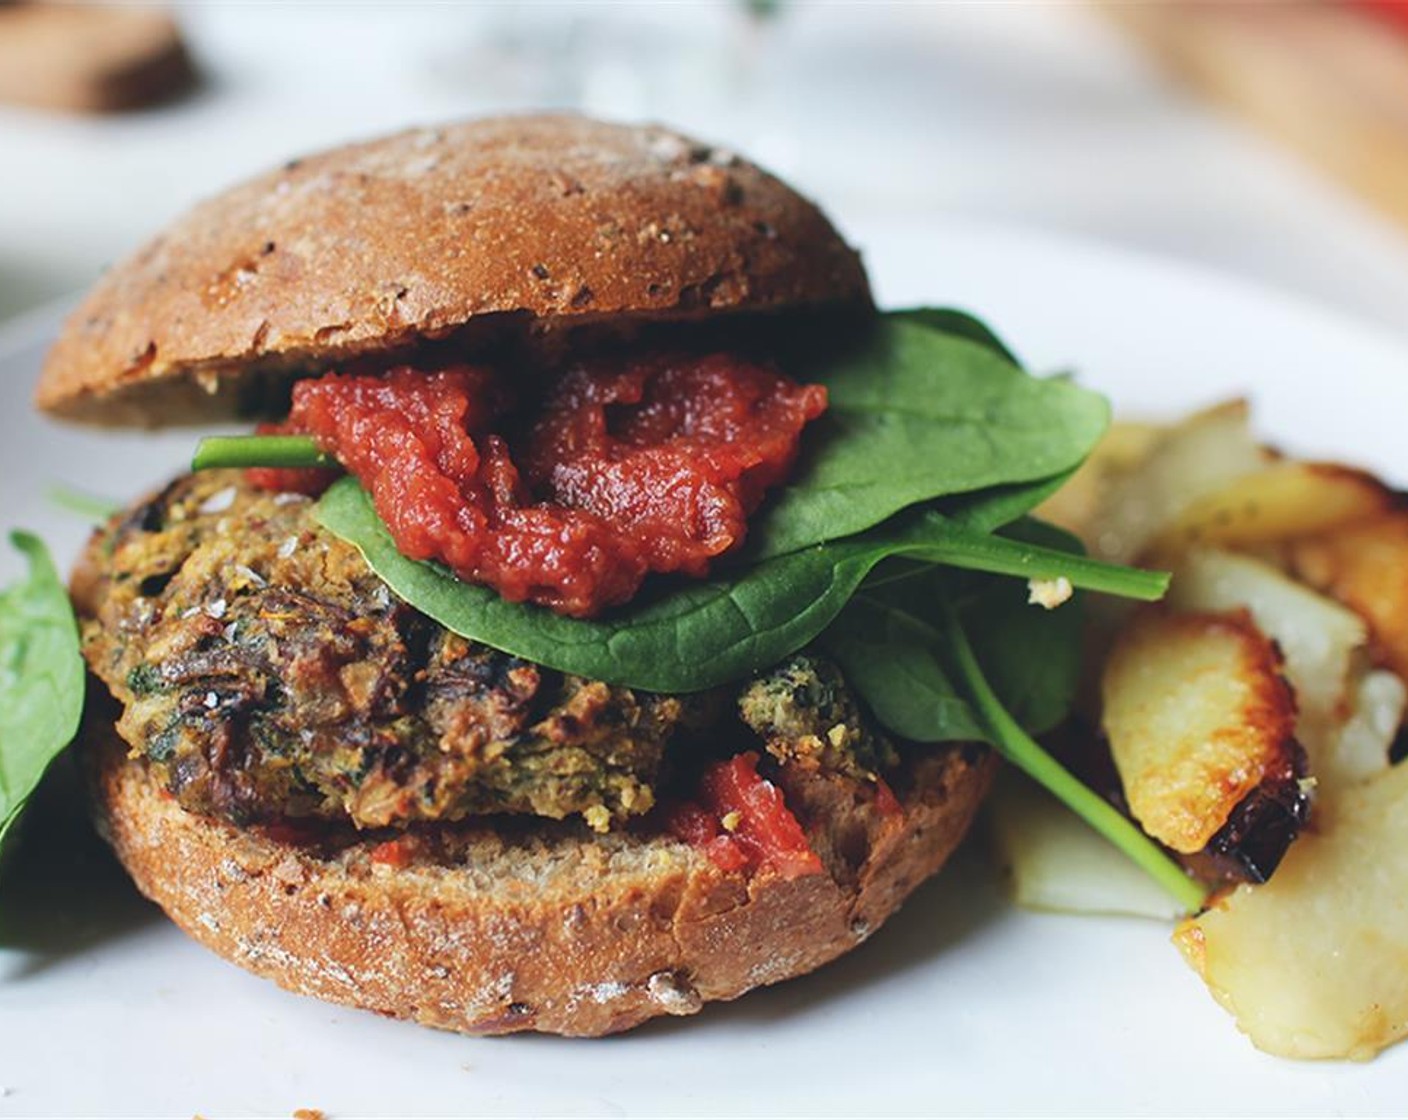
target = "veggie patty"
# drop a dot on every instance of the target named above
(266, 673)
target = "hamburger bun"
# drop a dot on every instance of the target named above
(536, 222)
(491, 930)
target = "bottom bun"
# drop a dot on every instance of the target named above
(539, 927)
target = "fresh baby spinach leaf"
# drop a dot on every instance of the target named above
(41, 679)
(683, 637)
(916, 414)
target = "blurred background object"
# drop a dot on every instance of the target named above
(1035, 115)
(90, 59)
(1329, 78)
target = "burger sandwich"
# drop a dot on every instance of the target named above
(611, 611)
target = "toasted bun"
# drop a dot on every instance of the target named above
(549, 929)
(539, 222)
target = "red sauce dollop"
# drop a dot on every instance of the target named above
(742, 822)
(399, 852)
(627, 468)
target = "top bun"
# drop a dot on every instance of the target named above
(542, 221)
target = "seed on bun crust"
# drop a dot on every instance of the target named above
(491, 930)
(539, 221)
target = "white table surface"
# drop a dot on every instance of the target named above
(1037, 114)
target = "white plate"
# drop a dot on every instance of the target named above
(960, 1005)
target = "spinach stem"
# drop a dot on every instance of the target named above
(259, 451)
(1002, 556)
(895, 574)
(1023, 751)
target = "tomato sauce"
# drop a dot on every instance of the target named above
(742, 822)
(399, 852)
(625, 468)
(885, 799)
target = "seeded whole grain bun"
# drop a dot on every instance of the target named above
(537, 222)
(552, 928)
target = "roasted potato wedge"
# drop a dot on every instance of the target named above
(1359, 747)
(1349, 712)
(1197, 715)
(1318, 637)
(1200, 456)
(1314, 964)
(1279, 502)
(1075, 506)
(1055, 861)
(1365, 567)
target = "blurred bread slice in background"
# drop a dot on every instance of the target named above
(90, 59)
(1329, 79)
